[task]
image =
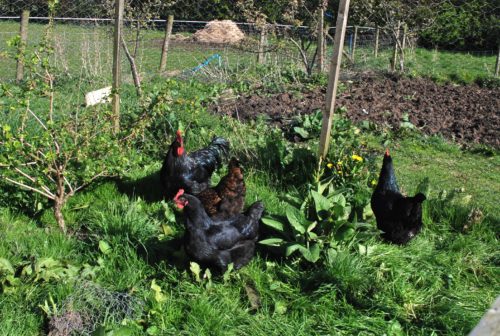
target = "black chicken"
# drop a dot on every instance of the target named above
(399, 217)
(217, 243)
(228, 197)
(192, 171)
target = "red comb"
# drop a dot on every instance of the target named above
(387, 152)
(179, 194)
(178, 133)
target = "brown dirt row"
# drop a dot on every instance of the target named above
(465, 114)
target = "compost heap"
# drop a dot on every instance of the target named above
(225, 31)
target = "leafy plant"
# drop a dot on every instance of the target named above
(319, 220)
(308, 126)
(53, 153)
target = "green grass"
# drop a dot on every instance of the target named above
(441, 283)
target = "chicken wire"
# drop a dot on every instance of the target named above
(90, 307)
(83, 43)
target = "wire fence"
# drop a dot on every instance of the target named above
(83, 45)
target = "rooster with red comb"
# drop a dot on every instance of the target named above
(191, 172)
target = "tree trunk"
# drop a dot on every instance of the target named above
(58, 205)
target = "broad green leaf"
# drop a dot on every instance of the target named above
(6, 266)
(159, 296)
(312, 226)
(302, 132)
(296, 219)
(314, 251)
(167, 230)
(322, 205)
(273, 223)
(279, 307)
(196, 270)
(339, 199)
(272, 241)
(344, 233)
(292, 248)
(104, 247)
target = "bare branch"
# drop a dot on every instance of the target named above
(49, 196)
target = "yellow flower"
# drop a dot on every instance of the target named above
(374, 182)
(339, 163)
(357, 158)
(329, 165)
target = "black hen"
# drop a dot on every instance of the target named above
(399, 217)
(191, 172)
(217, 243)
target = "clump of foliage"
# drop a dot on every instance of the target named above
(49, 152)
(331, 210)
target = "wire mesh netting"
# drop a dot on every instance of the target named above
(82, 43)
(90, 307)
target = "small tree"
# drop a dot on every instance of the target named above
(393, 15)
(46, 151)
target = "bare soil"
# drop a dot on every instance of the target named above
(465, 114)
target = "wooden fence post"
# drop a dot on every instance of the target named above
(395, 51)
(166, 42)
(261, 56)
(377, 34)
(497, 65)
(119, 5)
(23, 31)
(331, 92)
(354, 43)
(402, 51)
(321, 40)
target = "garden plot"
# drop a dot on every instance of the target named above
(466, 114)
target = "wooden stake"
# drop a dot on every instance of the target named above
(497, 65)
(395, 51)
(119, 5)
(321, 40)
(331, 92)
(166, 42)
(261, 57)
(402, 51)
(354, 42)
(23, 31)
(377, 33)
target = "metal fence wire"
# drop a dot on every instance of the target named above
(83, 42)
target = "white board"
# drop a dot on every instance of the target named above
(98, 96)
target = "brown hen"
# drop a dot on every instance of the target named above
(228, 197)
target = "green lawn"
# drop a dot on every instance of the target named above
(441, 283)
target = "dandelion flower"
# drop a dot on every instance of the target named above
(329, 165)
(357, 158)
(340, 163)
(374, 182)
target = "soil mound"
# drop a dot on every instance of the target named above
(225, 31)
(465, 114)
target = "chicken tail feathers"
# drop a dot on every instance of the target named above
(211, 156)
